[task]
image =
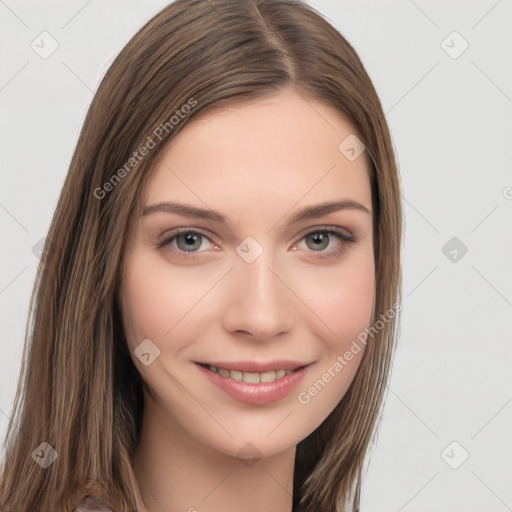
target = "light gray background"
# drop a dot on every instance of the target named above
(451, 121)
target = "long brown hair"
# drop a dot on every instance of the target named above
(79, 390)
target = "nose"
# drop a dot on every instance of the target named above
(259, 305)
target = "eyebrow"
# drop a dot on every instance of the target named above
(308, 212)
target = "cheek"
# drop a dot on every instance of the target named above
(342, 299)
(156, 300)
(351, 304)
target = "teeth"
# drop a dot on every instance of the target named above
(235, 374)
(269, 376)
(250, 377)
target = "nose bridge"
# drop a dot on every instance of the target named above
(259, 303)
(262, 287)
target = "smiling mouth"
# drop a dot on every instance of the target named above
(250, 377)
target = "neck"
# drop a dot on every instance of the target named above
(176, 472)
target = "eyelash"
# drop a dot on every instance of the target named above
(342, 237)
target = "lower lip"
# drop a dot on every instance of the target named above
(256, 394)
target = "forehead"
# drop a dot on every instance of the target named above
(267, 154)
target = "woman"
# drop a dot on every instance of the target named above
(215, 310)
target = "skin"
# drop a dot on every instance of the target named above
(258, 164)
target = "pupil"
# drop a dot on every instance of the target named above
(320, 241)
(191, 242)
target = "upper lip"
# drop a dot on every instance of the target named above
(256, 366)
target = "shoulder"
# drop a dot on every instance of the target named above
(92, 503)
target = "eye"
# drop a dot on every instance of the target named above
(187, 241)
(327, 242)
(332, 239)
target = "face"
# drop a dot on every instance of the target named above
(253, 259)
